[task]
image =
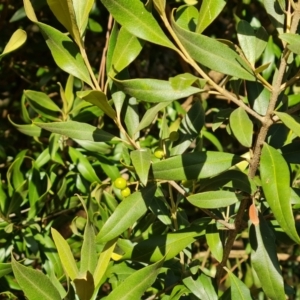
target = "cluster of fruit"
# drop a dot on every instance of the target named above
(121, 184)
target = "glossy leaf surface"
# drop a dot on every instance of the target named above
(213, 54)
(214, 199)
(126, 213)
(77, 130)
(137, 20)
(265, 262)
(17, 39)
(275, 179)
(65, 254)
(242, 126)
(209, 10)
(194, 165)
(136, 284)
(34, 284)
(153, 90)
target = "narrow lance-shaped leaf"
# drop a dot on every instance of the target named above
(214, 199)
(153, 90)
(276, 15)
(265, 262)
(17, 39)
(82, 10)
(28, 129)
(65, 254)
(213, 54)
(65, 14)
(127, 48)
(169, 245)
(202, 287)
(291, 122)
(141, 160)
(33, 283)
(134, 286)
(209, 10)
(126, 213)
(275, 179)
(293, 41)
(138, 20)
(150, 115)
(214, 241)
(241, 126)
(65, 53)
(194, 165)
(238, 288)
(78, 130)
(247, 40)
(99, 99)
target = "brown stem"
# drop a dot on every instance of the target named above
(254, 163)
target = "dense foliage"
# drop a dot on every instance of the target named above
(149, 149)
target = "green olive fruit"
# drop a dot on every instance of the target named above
(159, 153)
(120, 183)
(187, 183)
(126, 192)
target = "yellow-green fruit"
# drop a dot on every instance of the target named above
(120, 183)
(174, 136)
(126, 192)
(187, 183)
(159, 153)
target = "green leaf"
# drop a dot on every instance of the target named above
(214, 199)
(187, 17)
(33, 283)
(202, 287)
(78, 130)
(261, 40)
(209, 10)
(213, 54)
(232, 178)
(291, 122)
(138, 21)
(88, 251)
(65, 255)
(99, 99)
(132, 117)
(28, 129)
(194, 165)
(103, 261)
(265, 262)
(127, 48)
(150, 115)
(258, 97)
(126, 214)
(82, 10)
(83, 165)
(65, 14)
(238, 288)
(275, 180)
(242, 127)
(247, 40)
(293, 41)
(134, 286)
(275, 13)
(189, 128)
(141, 160)
(214, 241)
(5, 268)
(168, 245)
(153, 90)
(42, 104)
(85, 286)
(17, 39)
(65, 53)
